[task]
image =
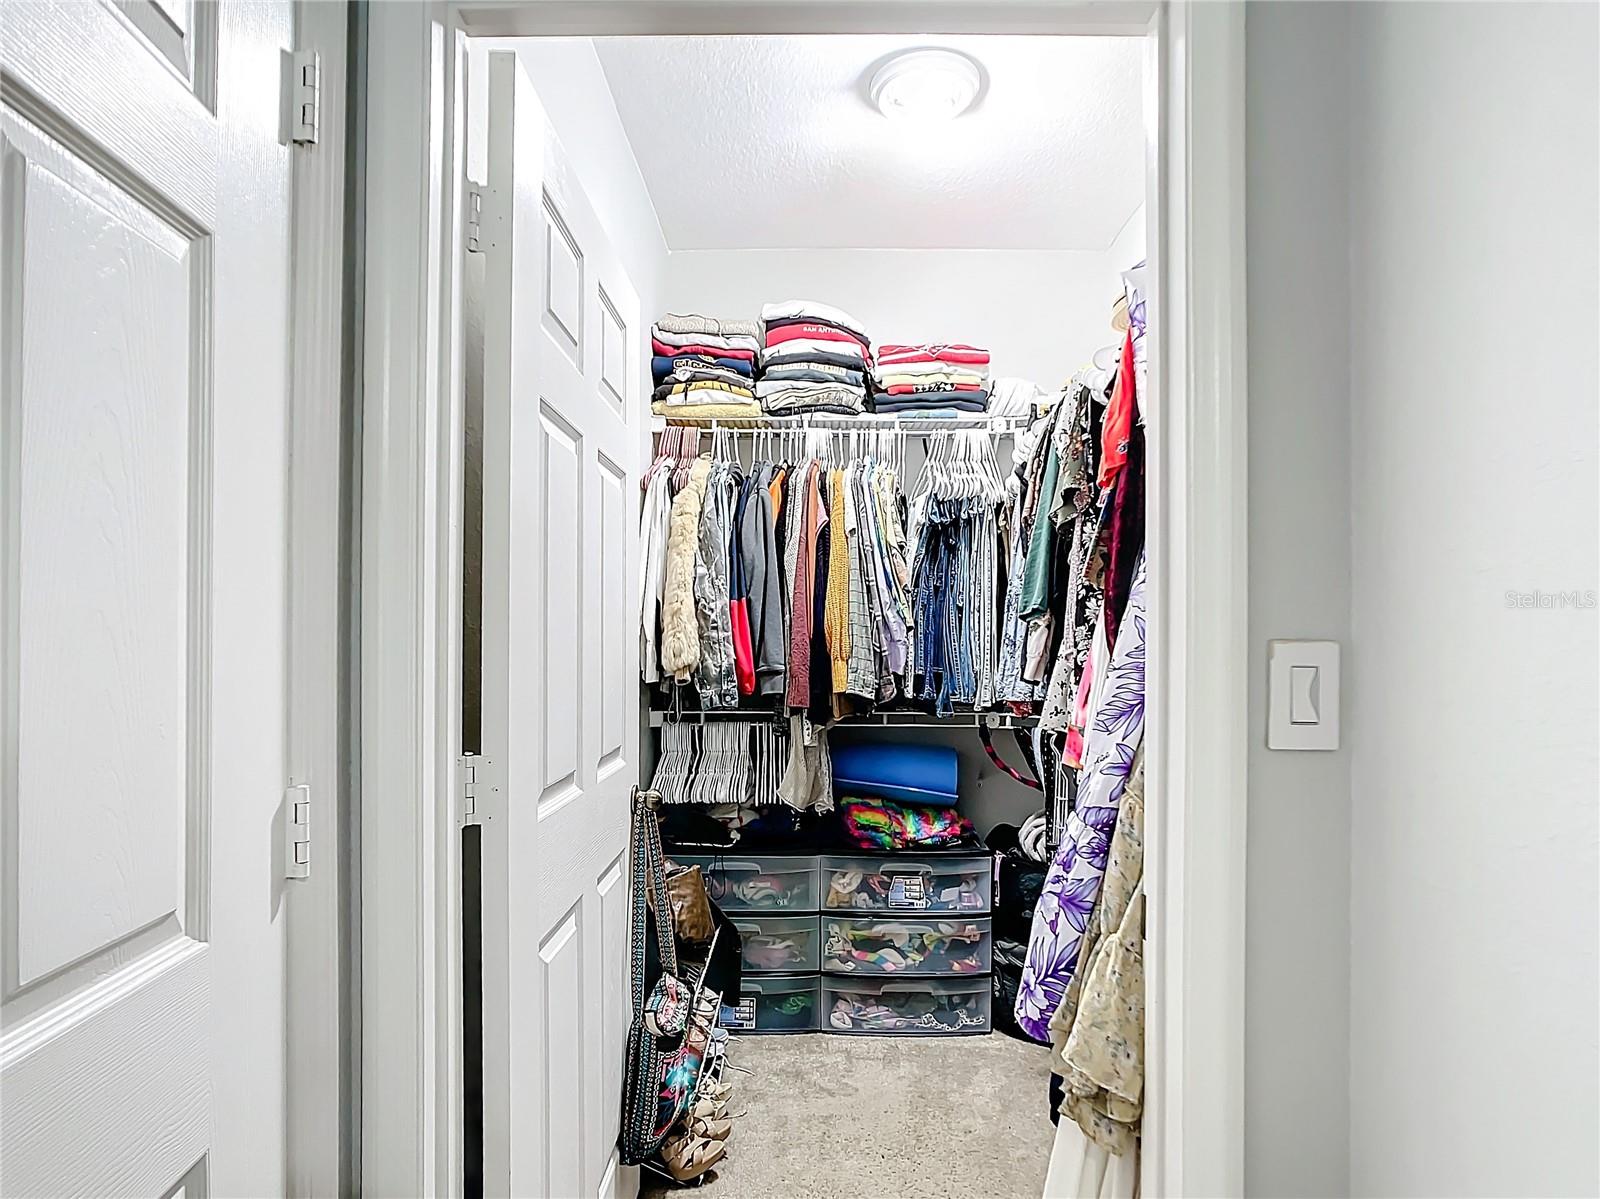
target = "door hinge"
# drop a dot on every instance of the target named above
(473, 199)
(467, 768)
(297, 831)
(305, 97)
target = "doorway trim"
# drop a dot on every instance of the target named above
(411, 1119)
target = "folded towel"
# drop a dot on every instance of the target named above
(789, 310)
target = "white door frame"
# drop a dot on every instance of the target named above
(322, 928)
(411, 551)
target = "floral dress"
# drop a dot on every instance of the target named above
(1073, 883)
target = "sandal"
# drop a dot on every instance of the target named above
(687, 1157)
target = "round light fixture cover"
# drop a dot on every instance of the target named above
(931, 84)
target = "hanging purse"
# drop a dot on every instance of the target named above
(663, 1065)
(690, 905)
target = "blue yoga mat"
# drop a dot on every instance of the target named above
(916, 774)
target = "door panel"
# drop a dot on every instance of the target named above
(101, 571)
(144, 273)
(560, 713)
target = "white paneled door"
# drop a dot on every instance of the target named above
(560, 705)
(144, 255)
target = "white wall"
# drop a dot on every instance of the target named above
(1127, 249)
(1041, 313)
(1297, 886)
(1475, 1068)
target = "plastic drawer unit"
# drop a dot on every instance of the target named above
(892, 945)
(779, 944)
(906, 1007)
(774, 1003)
(757, 882)
(906, 883)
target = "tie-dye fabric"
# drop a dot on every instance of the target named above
(1079, 866)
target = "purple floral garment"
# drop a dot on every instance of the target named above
(1073, 882)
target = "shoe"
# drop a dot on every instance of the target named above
(686, 1157)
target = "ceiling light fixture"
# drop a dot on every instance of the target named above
(926, 85)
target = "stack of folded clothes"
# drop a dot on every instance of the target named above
(931, 380)
(814, 358)
(704, 367)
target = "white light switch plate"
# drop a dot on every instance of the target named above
(1302, 695)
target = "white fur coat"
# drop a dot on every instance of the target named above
(680, 632)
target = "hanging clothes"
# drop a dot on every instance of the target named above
(680, 630)
(1076, 871)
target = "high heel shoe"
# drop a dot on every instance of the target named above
(686, 1156)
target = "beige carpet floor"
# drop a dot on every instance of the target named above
(831, 1117)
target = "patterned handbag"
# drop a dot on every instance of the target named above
(662, 1067)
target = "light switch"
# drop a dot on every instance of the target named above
(1303, 695)
(1302, 705)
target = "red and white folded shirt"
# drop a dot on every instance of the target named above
(894, 355)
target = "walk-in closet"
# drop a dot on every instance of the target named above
(804, 619)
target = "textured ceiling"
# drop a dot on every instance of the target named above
(771, 142)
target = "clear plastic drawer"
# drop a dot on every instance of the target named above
(931, 883)
(906, 1007)
(779, 944)
(774, 1003)
(757, 882)
(890, 945)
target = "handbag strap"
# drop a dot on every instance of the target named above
(649, 882)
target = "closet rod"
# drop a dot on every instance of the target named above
(996, 720)
(927, 427)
